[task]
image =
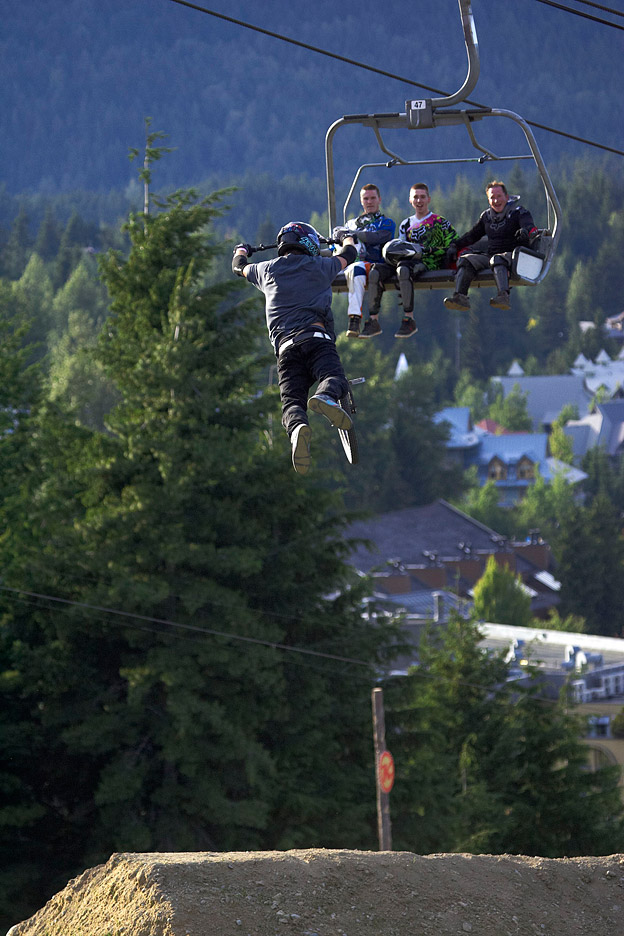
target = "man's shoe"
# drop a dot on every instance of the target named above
(371, 329)
(300, 445)
(407, 328)
(501, 300)
(353, 331)
(331, 409)
(457, 301)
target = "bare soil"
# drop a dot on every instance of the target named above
(317, 892)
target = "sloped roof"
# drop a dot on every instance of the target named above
(554, 467)
(511, 448)
(604, 427)
(422, 603)
(404, 535)
(458, 418)
(491, 426)
(612, 430)
(546, 396)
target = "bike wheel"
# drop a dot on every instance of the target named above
(348, 437)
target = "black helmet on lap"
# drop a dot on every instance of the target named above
(297, 235)
(397, 250)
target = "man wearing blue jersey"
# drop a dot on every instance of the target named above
(371, 231)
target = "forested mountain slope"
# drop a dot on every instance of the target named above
(80, 76)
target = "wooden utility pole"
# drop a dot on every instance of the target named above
(384, 772)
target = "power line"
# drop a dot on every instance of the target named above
(379, 71)
(57, 603)
(594, 19)
(187, 627)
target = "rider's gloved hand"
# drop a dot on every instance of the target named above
(246, 247)
(522, 237)
(339, 234)
(450, 257)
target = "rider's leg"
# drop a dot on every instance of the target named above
(501, 278)
(463, 278)
(355, 275)
(406, 289)
(324, 365)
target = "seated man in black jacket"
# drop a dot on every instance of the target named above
(506, 224)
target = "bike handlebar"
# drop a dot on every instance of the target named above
(324, 240)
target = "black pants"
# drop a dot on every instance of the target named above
(298, 368)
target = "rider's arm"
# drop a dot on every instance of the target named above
(472, 236)
(348, 253)
(240, 261)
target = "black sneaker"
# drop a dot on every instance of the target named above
(457, 301)
(407, 328)
(371, 329)
(331, 410)
(353, 331)
(501, 301)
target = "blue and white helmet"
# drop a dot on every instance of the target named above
(300, 236)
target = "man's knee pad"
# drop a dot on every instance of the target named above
(498, 261)
(404, 274)
(373, 278)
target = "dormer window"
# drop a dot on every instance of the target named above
(497, 469)
(526, 469)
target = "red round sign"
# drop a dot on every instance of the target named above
(386, 771)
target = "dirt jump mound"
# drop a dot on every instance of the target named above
(318, 892)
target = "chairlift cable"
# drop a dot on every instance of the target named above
(594, 19)
(600, 6)
(379, 71)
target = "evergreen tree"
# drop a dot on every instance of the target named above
(194, 692)
(510, 411)
(17, 249)
(48, 238)
(484, 765)
(34, 288)
(545, 507)
(590, 551)
(76, 378)
(499, 597)
(481, 503)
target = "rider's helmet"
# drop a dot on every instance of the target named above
(396, 250)
(297, 235)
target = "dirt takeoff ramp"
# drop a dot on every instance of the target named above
(315, 892)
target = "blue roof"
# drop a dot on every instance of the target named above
(461, 433)
(511, 448)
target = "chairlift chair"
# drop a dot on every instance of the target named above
(529, 266)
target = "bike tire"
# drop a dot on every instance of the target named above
(348, 438)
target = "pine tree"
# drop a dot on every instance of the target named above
(17, 249)
(499, 598)
(590, 552)
(48, 238)
(194, 692)
(485, 765)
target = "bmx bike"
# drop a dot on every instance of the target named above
(348, 437)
